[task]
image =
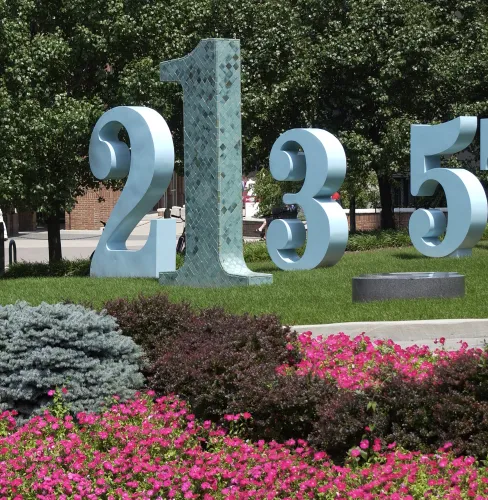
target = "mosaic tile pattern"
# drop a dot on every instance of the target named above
(210, 77)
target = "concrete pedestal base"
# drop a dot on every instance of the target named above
(371, 287)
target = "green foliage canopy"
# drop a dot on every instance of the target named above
(362, 69)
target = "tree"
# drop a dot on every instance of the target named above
(362, 69)
(384, 65)
(48, 111)
(62, 63)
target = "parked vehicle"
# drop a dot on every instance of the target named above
(181, 243)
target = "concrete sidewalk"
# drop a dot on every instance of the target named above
(406, 333)
(33, 246)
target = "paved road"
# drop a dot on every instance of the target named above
(33, 247)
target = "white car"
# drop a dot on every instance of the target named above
(5, 235)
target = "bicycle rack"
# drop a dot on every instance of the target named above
(12, 251)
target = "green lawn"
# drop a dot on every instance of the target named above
(305, 297)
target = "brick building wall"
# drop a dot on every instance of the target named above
(366, 220)
(21, 221)
(88, 211)
(11, 220)
(27, 221)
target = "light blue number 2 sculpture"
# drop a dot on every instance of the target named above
(322, 166)
(149, 164)
(465, 195)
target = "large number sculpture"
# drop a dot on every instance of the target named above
(211, 82)
(210, 77)
(465, 195)
(322, 166)
(149, 165)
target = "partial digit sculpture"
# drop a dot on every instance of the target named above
(149, 164)
(484, 144)
(466, 199)
(322, 166)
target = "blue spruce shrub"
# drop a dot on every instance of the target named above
(67, 345)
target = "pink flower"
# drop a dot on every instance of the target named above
(355, 452)
(364, 444)
(442, 340)
(246, 415)
(377, 445)
(51, 392)
(64, 390)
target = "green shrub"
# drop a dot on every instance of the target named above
(257, 251)
(67, 345)
(180, 259)
(80, 267)
(372, 240)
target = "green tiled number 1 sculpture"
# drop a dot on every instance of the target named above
(210, 77)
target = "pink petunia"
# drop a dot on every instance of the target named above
(364, 444)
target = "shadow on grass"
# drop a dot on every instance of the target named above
(408, 256)
(263, 267)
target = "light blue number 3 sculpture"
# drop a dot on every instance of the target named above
(322, 166)
(149, 164)
(465, 195)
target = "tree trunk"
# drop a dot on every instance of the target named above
(386, 201)
(352, 215)
(54, 238)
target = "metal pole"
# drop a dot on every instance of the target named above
(12, 248)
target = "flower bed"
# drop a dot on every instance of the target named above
(324, 391)
(155, 449)
(360, 363)
(275, 414)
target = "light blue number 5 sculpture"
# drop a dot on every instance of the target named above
(322, 166)
(465, 195)
(149, 164)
